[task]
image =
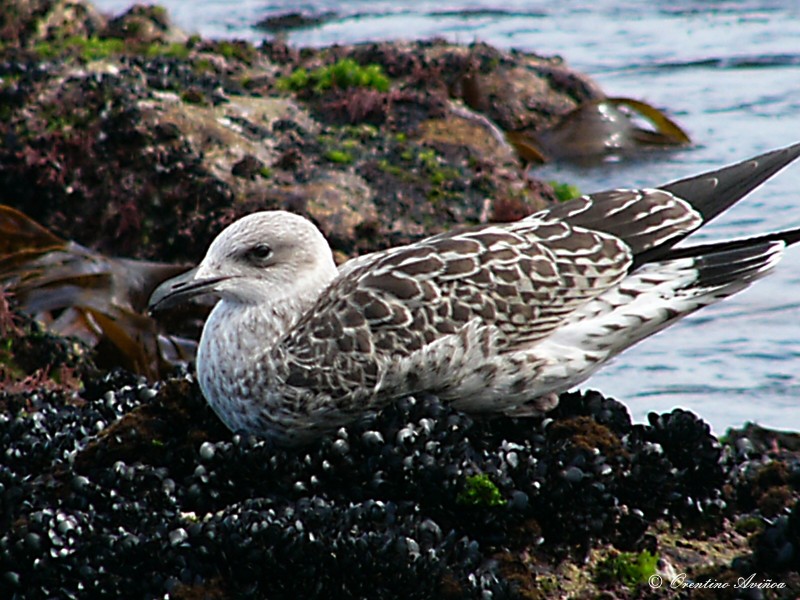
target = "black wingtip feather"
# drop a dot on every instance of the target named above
(714, 192)
(789, 237)
(724, 266)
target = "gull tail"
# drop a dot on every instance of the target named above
(653, 297)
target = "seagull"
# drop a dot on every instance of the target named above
(498, 318)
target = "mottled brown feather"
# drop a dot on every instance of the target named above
(519, 280)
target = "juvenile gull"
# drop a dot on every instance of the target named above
(497, 318)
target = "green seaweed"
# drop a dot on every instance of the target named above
(387, 167)
(88, 48)
(343, 74)
(628, 568)
(565, 191)
(342, 157)
(438, 172)
(480, 490)
(174, 50)
(97, 48)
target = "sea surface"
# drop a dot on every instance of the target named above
(727, 70)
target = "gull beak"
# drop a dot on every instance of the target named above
(181, 289)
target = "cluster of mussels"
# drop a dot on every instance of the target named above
(140, 492)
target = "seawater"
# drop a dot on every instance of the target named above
(728, 71)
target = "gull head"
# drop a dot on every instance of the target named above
(266, 256)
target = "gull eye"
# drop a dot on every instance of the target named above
(259, 253)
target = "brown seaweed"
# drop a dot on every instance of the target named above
(599, 128)
(75, 291)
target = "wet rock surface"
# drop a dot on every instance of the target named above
(138, 140)
(133, 138)
(130, 137)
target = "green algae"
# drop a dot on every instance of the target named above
(480, 490)
(628, 568)
(343, 74)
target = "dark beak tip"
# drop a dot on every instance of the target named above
(156, 305)
(172, 292)
(181, 289)
(153, 309)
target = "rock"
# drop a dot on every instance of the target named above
(133, 142)
(145, 24)
(293, 20)
(27, 22)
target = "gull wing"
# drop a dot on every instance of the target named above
(517, 281)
